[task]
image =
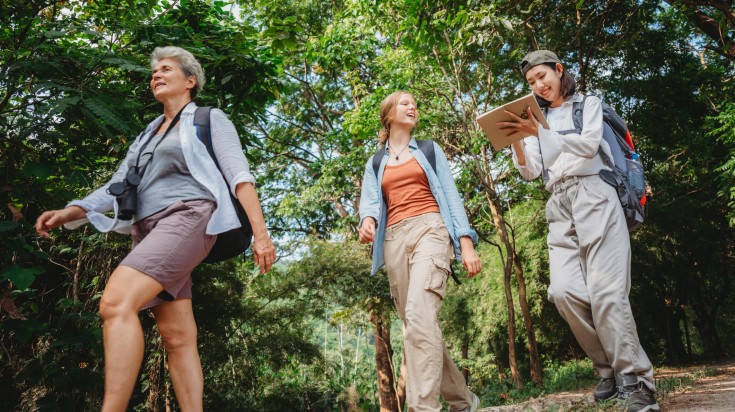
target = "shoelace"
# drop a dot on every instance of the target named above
(625, 392)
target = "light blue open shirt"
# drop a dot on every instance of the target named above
(451, 207)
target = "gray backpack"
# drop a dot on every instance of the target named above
(627, 174)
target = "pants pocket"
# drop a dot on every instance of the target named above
(437, 280)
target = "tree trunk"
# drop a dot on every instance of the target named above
(384, 363)
(513, 262)
(532, 346)
(706, 324)
(465, 356)
(499, 222)
(401, 387)
(156, 379)
(512, 361)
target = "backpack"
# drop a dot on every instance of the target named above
(627, 175)
(235, 241)
(427, 147)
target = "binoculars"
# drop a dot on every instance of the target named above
(126, 194)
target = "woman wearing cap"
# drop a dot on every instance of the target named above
(182, 204)
(412, 212)
(589, 245)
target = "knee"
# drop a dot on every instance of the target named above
(560, 297)
(176, 337)
(419, 327)
(112, 306)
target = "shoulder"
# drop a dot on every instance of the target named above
(218, 115)
(588, 99)
(438, 151)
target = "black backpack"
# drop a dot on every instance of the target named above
(427, 147)
(233, 242)
(627, 175)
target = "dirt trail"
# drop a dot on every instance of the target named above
(709, 393)
(701, 388)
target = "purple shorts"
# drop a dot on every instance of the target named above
(169, 244)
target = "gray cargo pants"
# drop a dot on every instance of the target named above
(589, 255)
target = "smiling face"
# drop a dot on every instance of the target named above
(405, 113)
(169, 82)
(545, 82)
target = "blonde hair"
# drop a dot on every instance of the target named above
(188, 64)
(387, 113)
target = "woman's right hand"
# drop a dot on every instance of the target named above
(367, 230)
(52, 219)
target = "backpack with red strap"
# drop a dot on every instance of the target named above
(627, 175)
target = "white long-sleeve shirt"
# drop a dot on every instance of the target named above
(227, 149)
(565, 155)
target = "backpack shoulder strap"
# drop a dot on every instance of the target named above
(578, 115)
(427, 146)
(202, 122)
(377, 157)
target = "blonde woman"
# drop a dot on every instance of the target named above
(416, 220)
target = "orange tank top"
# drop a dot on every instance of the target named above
(407, 192)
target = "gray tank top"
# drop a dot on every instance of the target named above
(167, 178)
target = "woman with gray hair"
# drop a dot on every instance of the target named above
(183, 203)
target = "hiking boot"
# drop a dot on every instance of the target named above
(474, 405)
(635, 395)
(605, 390)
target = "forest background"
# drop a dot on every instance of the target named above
(302, 81)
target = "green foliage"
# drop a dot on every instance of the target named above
(302, 81)
(725, 134)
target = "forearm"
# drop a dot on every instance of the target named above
(248, 198)
(75, 213)
(518, 151)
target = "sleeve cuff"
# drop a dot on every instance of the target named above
(241, 178)
(362, 219)
(468, 233)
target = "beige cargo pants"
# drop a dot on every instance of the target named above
(589, 255)
(418, 252)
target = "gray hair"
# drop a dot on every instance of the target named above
(188, 64)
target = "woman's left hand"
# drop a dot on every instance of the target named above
(520, 125)
(264, 253)
(471, 262)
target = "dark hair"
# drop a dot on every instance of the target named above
(568, 85)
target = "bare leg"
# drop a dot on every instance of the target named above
(179, 333)
(126, 292)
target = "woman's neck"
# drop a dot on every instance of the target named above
(399, 137)
(558, 102)
(173, 106)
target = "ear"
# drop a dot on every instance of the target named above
(559, 70)
(191, 82)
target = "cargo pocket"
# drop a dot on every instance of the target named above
(437, 280)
